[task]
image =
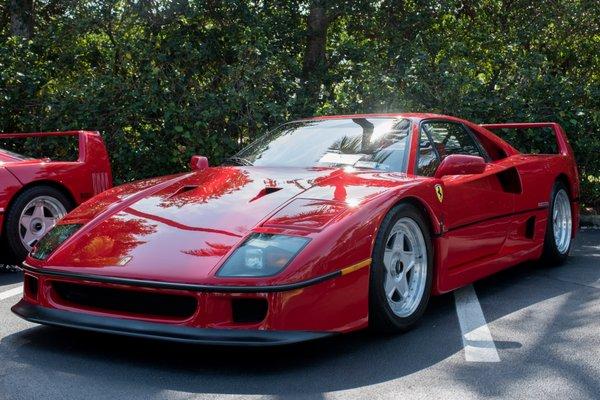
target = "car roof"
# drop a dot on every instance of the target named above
(411, 115)
(481, 131)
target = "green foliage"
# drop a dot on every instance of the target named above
(164, 80)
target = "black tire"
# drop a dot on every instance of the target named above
(381, 316)
(15, 250)
(551, 254)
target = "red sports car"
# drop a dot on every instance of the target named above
(36, 193)
(321, 226)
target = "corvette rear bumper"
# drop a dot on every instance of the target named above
(176, 333)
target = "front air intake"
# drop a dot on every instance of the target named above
(30, 286)
(124, 302)
(247, 311)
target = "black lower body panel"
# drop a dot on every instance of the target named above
(177, 333)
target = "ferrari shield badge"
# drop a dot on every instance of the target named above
(439, 192)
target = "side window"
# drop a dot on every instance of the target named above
(427, 159)
(451, 138)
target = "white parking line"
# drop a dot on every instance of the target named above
(11, 292)
(477, 339)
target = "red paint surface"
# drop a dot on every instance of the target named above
(182, 228)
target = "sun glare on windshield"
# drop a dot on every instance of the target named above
(374, 143)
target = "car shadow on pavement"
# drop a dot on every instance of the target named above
(145, 367)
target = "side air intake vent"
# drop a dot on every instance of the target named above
(530, 228)
(510, 181)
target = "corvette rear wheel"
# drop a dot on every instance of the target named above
(401, 274)
(33, 213)
(558, 239)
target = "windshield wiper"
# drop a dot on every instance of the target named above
(238, 161)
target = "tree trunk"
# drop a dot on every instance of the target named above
(314, 67)
(21, 18)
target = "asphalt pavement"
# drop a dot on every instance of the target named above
(531, 332)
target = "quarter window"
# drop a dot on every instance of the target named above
(427, 160)
(451, 138)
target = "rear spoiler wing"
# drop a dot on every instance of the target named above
(91, 145)
(564, 147)
(92, 153)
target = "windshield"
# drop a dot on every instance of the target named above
(376, 143)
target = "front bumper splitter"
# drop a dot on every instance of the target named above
(151, 330)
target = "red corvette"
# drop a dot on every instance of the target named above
(35, 193)
(322, 226)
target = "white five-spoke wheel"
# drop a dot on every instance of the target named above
(559, 230)
(405, 261)
(38, 217)
(401, 271)
(30, 216)
(561, 221)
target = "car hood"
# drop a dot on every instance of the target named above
(178, 228)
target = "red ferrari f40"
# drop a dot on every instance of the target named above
(322, 226)
(36, 193)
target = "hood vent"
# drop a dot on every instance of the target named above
(182, 190)
(266, 191)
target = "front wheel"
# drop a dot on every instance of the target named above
(401, 271)
(559, 229)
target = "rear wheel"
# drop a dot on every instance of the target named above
(33, 213)
(401, 272)
(558, 239)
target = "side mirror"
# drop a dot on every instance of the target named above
(198, 163)
(460, 164)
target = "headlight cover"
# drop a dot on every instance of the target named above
(53, 239)
(262, 254)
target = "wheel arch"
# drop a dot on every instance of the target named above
(432, 220)
(433, 223)
(46, 182)
(563, 178)
(572, 192)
